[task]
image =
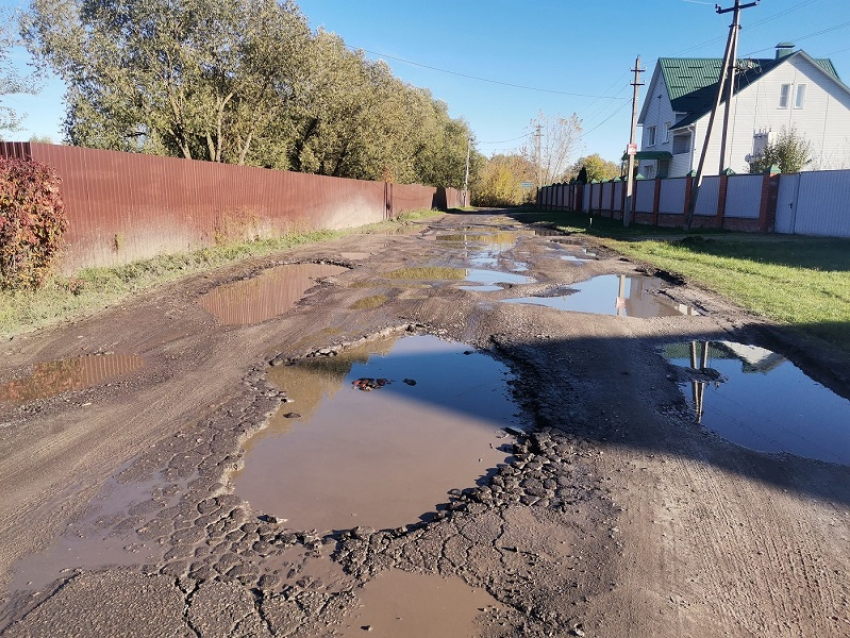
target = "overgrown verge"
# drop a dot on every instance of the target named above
(92, 289)
(802, 282)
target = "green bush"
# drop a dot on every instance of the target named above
(32, 221)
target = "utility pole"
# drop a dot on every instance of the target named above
(733, 64)
(539, 137)
(630, 180)
(466, 177)
(728, 64)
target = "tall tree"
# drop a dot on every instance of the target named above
(198, 78)
(551, 150)
(596, 167)
(500, 181)
(12, 81)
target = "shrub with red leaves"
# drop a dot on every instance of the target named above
(32, 221)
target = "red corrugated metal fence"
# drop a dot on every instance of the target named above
(126, 206)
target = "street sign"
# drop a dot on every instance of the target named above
(632, 149)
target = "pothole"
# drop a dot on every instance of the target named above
(398, 603)
(621, 295)
(268, 295)
(479, 276)
(760, 400)
(341, 457)
(485, 251)
(66, 375)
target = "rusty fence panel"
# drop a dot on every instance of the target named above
(126, 206)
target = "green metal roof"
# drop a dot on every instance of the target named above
(692, 82)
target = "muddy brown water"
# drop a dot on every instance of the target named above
(398, 603)
(66, 375)
(765, 402)
(268, 295)
(621, 295)
(382, 458)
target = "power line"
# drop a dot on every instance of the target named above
(624, 105)
(475, 77)
(837, 27)
(754, 25)
(505, 141)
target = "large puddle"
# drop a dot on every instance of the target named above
(75, 373)
(268, 295)
(487, 251)
(483, 277)
(621, 295)
(401, 603)
(764, 402)
(341, 456)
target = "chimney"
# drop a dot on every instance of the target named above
(784, 49)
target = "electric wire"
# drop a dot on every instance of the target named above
(475, 77)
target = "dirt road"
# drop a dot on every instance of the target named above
(122, 438)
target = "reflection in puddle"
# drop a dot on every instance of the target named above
(55, 377)
(615, 295)
(502, 241)
(486, 251)
(265, 296)
(401, 603)
(473, 275)
(379, 458)
(493, 277)
(765, 402)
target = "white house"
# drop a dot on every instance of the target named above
(791, 90)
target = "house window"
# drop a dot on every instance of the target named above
(667, 132)
(649, 171)
(784, 95)
(801, 96)
(650, 136)
(681, 143)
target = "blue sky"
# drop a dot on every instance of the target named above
(579, 53)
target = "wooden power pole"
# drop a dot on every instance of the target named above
(630, 179)
(466, 176)
(727, 72)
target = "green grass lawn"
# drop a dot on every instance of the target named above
(803, 282)
(93, 289)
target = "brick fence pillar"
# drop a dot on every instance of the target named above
(721, 199)
(769, 199)
(656, 202)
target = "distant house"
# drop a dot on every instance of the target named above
(791, 90)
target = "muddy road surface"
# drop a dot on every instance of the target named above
(473, 427)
